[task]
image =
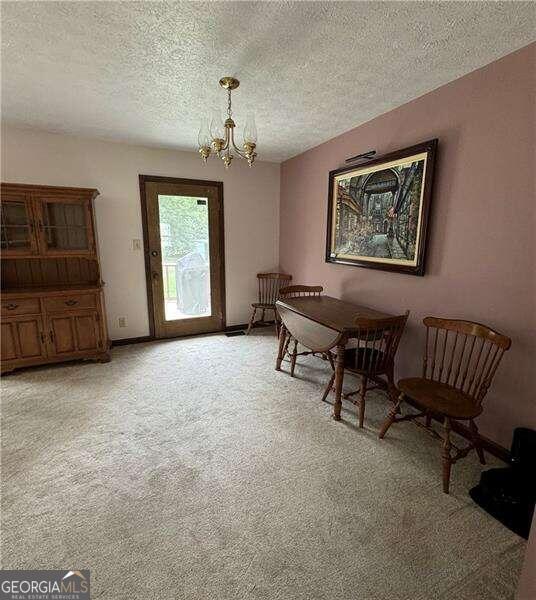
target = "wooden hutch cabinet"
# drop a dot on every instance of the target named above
(52, 301)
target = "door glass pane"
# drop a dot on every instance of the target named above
(185, 256)
(14, 213)
(16, 232)
(65, 226)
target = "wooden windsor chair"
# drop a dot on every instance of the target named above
(460, 361)
(299, 291)
(269, 285)
(373, 358)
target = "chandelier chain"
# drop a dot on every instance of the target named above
(229, 111)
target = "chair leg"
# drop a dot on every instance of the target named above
(293, 358)
(362, 400)
(328, 388)
(262, 316)
(251, 321)
(476, 442)
(447, 462)
(391, 417)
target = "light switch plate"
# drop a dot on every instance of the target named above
(122, 321)
(136, 244)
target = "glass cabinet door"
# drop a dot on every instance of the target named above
(66, 227)
(17, 227)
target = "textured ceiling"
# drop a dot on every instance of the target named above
(143, 72)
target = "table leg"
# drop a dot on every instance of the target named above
(280, 353)
(339, 376)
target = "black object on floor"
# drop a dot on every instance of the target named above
(509, 494)
(233, 333)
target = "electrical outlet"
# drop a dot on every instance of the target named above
(122, 321)
(136, 244)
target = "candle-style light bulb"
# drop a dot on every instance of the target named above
(250, 130)
(203, 137)
(217, 129)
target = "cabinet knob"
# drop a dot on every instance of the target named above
(71, 302)
(11, 306)
(154, 253)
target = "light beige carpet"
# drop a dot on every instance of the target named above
(191, 469)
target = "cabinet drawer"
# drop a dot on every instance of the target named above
(20, 306)
(71, 302)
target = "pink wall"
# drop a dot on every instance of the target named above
(481, 251)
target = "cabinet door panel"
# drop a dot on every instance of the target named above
(9, 346)
(22, 339)
(74, 333)
(62, 335)
(17, 225)
(29, 338)
(87, 332)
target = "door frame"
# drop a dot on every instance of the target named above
(143, 179)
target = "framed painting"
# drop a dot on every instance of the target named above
(378, 212)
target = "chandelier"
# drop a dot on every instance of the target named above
(216, 135)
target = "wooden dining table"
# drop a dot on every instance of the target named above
(321, 324)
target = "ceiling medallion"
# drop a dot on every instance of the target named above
(216, 135)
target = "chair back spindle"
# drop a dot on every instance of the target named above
(269, 285)
(298, 291)
(378, 343)
(462, 354)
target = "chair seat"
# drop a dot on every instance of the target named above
(262, 305)
(440, 398)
